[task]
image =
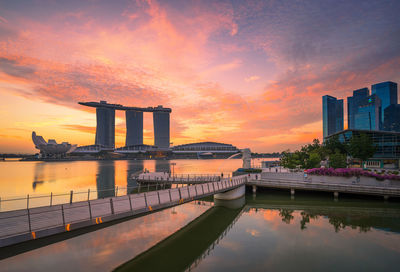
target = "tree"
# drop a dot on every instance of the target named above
(337, 160)
(332, 144)
(361, 147)
(313, 161)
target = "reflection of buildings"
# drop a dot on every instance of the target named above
(134, 168)
(163, 166)
(105, 180)
(38, 177)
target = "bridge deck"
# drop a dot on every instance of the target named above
(24, 225)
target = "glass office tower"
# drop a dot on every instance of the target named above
(353, 103)
(392, 118)
(387, 92)
(368, 116)
(332, 115)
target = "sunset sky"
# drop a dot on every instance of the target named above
(249, 73)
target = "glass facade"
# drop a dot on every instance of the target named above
(353, 102)
(387, 92)
(387, 144)
(392, 118)
(332, 115)
(368, 116)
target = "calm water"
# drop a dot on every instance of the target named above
(266, 232)
(275, 233)
(21, 178)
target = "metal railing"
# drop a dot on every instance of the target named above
(43, 221)
(73, 196)
(181, 178)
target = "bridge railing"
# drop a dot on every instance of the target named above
(181, 178)
(42, 221)
(73, 196)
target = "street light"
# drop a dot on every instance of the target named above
(173, 167)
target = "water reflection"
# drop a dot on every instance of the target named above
(163, 166)
(134, 169)
(274, 220)
(188, 246)
(105, 179)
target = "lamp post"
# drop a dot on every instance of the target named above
(173, 167)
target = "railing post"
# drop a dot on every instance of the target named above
(116, 191)
(130, 202)
(170, 198)
(188, 191)
(195, 189)
(111, 206)
(51, 199)
(90, 210)
(29, 221)
(88, 194)
(145, 199)
(213, 187)
(148, 186)
(27, 201)
(180, 195)
(158, 194)
(70, 197)
(62, 213)
(208, 186)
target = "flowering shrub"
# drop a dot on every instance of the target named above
(350, 172)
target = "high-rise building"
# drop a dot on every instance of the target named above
(387, 92)
(332, 115)
(134, 128)
(392, 118)
(353, 102)
(105, 130)
(368, 116)
(161, 129)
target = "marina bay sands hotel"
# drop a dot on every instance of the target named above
(105, 129)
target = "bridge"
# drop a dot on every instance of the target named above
(33, 223)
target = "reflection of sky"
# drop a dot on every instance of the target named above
(261, 241)
(107, 248)
(223, 66)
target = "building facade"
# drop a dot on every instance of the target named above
(387, 144)
(368, 116)
(387, 92)
(353, 103)
(392, 118)
(332, 115)
(105, 129)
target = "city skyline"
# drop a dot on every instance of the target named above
(251, 73)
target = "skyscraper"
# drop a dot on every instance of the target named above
(392, 118)
(368, 116)
(353, 102)
(161, 129)
(387, 92)
(332, 115)
(105, 130)
(134, 128)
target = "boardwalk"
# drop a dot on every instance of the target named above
(24, 225)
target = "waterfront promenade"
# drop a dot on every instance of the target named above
(29, 224)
